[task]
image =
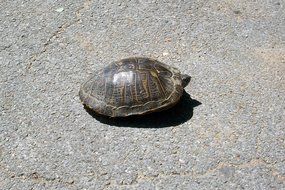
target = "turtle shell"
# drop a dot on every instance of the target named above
(132, 86)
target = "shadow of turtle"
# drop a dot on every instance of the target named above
(180, 113)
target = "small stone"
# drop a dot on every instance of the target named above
(167, 39)
(237, 12)
(59, 10)
(165, 53)
(70, 181)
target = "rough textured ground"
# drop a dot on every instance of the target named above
(234, 51)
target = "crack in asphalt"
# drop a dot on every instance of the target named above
(36, 177)
(250, 164)
(57, 33)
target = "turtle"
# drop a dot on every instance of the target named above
(133, 86)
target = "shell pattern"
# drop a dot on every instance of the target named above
(132, 86)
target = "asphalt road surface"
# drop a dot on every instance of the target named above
(227, 132)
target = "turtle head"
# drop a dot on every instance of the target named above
(185, 80)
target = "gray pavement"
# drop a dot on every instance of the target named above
(234, 51)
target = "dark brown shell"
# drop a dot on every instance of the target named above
(132, 86)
